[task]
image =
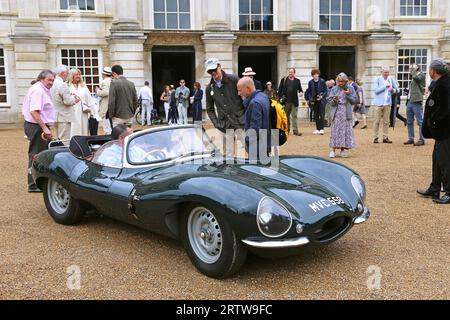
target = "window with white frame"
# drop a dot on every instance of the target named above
(172, 14)
(77, 5)
(413, 8)
(255, 15)
(335, 15)
(406, 57)
(87, 60)
(3, 94)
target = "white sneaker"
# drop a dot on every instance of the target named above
(344, 154)
(316, 132)
(332, 154)
(322, 132)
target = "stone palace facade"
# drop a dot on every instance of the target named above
(165, 40)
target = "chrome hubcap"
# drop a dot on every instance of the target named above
(205, 235)
(58, 197)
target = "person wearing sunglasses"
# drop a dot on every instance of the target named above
(222, 94)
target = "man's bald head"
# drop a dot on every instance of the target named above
(245, 87)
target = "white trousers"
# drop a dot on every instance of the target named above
(146, 113)
(166, 110)
(106, 124)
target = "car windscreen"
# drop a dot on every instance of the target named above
(168, 144)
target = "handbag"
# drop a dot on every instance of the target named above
(85, 108)
(93, 126)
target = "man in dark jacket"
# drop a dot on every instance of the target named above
(289, 90)
(221, 95)
(257, 109)
(318, 100)
(436, 125)
(123, 100)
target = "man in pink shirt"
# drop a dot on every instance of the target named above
(39, 117)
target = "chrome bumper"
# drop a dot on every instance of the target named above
(363, 217)
(291, 243)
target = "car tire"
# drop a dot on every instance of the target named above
(210, 243)
(63, 208)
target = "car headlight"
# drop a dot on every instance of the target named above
(273, 219)
(360, 188)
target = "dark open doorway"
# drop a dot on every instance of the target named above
(263, 60)
(334, 60)
(169, 65)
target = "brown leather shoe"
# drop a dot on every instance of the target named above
(386, 140)
(297, 133)
(375, 140)
(408, 142)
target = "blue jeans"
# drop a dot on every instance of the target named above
(414, 109)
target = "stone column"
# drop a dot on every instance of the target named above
(30, 47)
(303, 56)
(381, 51)
(299, 15)
(216, 16)
(126, 42)
(378, 15)
(445, 40)
(217, 45)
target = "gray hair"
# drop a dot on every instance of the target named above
(60, 69)
(342, 76)
(44, 74)
(385, 68)
(439, 66)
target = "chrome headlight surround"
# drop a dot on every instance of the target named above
(360, 188)
(272, 218)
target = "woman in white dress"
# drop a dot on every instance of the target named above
(84, 108)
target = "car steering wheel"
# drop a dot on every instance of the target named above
(156, 154)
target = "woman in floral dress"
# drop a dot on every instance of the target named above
(342, 98)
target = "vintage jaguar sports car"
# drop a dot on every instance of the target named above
(173, 181)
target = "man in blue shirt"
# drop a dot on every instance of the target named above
(257, 119)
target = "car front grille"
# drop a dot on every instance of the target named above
(332, 229)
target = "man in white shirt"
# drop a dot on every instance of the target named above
(63, 102)
(146, 97)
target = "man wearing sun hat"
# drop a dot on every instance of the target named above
(222, 94)
(103, 93)
(250, 73)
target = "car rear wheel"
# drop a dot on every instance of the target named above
(63, 208)
(211, 244)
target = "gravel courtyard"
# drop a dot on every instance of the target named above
(407, 238)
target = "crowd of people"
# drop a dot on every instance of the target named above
(236, 106)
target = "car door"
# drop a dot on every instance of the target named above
(94, 187)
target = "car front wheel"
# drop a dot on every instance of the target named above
(63, 208)
(211, 244)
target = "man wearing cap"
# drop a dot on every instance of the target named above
(250, 73)
(63, 102)
(103, 92)
(221, 94)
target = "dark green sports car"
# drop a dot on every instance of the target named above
(173, 181)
